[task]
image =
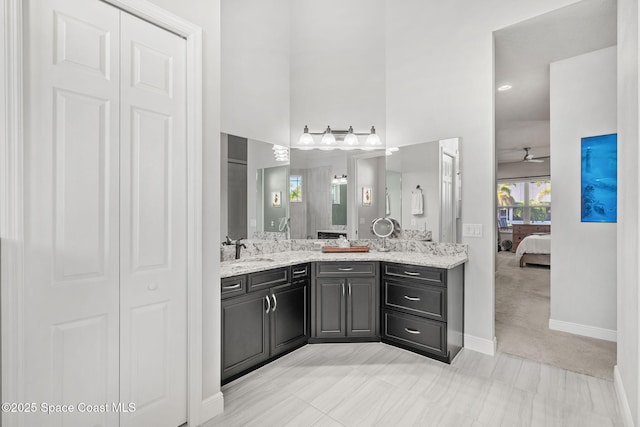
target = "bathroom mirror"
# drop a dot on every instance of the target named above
(254, 197)
(335, 193)
(423, 189)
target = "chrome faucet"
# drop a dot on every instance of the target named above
(237, 243)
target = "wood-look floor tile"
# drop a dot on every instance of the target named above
(375, 384)
(368, 404)
(507, 368)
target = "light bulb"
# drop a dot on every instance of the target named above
(306, 138)
(328, 138)
(373, 139)
(351, 138)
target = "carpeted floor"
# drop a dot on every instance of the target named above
(522, 323)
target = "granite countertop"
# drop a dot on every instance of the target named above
(268, 261)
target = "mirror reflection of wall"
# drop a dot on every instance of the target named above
(250, 176)
(426, 172)
(370, 192)
(319, 200)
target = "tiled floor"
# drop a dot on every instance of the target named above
(376, 384)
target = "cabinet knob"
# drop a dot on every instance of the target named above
(152, 286)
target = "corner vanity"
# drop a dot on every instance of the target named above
(276, 303)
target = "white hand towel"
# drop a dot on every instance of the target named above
(417, 203)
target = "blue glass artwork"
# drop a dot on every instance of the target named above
(599, 178)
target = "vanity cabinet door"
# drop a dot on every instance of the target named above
(362, 314)
(245, 332)
(289, 317)
(330, 308)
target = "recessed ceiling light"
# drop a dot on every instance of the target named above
(504, 88)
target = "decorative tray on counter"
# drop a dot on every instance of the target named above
(335, 249)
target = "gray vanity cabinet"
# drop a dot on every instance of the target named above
(346, 301)
(245, 332)
(270, 319)
(423, 309)
(289, 317)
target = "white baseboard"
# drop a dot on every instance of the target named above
(623, 403)
(481, 345)
(584, 330)
(211, 406)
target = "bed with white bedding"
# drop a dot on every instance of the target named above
(535, 249)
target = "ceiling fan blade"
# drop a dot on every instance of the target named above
(535, 160)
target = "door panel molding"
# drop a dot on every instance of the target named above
(200, 408)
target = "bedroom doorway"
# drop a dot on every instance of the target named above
(524, 54)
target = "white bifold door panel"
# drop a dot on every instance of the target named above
(153, 225)
(105, 217)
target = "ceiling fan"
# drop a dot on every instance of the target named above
(529, 158)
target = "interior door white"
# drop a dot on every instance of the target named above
(71, 210)
(153, 230)
(447, 219)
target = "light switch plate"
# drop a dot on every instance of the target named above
(472, 230)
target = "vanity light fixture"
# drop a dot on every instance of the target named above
(338, 139)
(281, 153)
(342, 179)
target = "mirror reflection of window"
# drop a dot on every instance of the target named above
(295, 188)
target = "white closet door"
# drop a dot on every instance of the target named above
(153, 231)
(71, 209)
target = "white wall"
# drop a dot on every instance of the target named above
(206, 14)
(439, 73)
(583, 255)
(255, 69)
(627, 374)
(337, 65)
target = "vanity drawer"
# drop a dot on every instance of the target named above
(268, 279)
(345, 269)
(419, 299)
(434, 276)
(233, 286)
(301, 271)
(422, 334)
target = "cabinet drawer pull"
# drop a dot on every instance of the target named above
(268, 303)
(226, 288)
(345, 268)
(411, 273)
(412, 331)
(349, 288)
(275, 302)
(300, 271)
(412, 298)
(342, 284)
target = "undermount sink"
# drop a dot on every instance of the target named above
(253, 259)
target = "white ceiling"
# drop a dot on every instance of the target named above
(523, 53)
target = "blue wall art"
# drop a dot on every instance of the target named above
(599, 178)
